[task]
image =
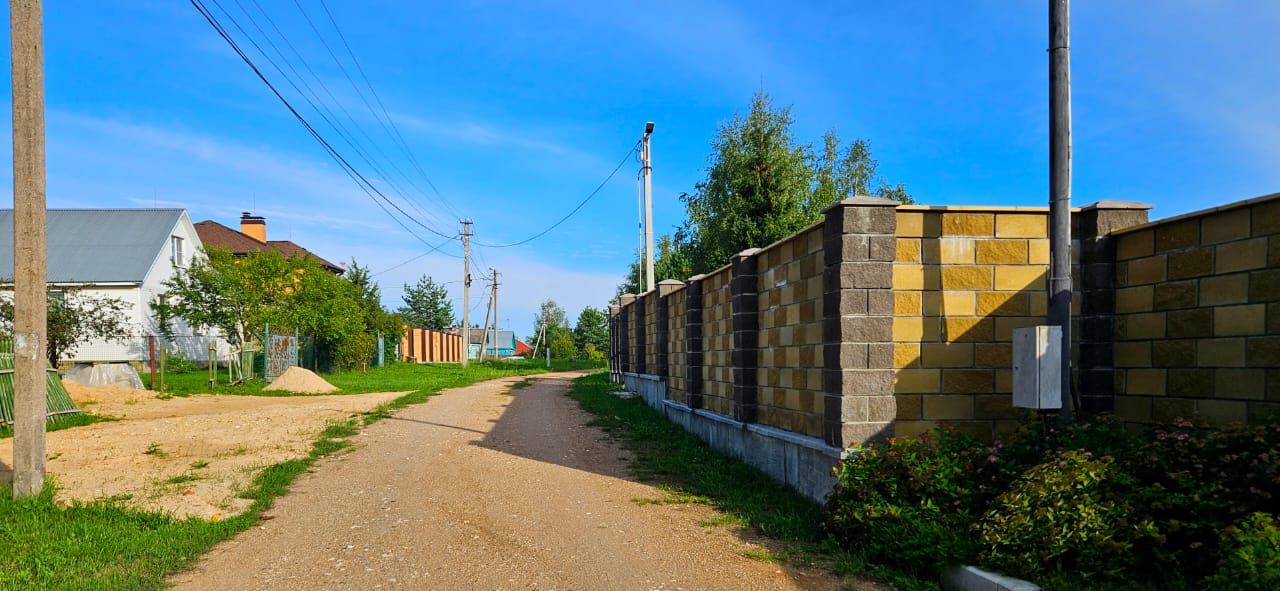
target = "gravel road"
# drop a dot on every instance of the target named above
(481, 489)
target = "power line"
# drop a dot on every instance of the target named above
(580, 205)
(403, 144)
(351, 171)
(416, 257)
(341, 130)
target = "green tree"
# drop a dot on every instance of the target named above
(560, 339)
(591, 331)
(237, 296)
(550, 315)
(376, 317)
(757, 188)
(427, 304)
(73, 318)
(761, 186)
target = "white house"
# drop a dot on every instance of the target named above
(122, 253)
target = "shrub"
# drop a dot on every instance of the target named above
(355, 352)
(1251, 556)
(907, 503)
(1064, 516)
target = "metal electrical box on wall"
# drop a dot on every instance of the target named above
(1037, 367)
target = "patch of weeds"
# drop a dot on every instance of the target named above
(762, 554)
(198, 464)
(520, 385)
(155, 450)
(66, 422)
(164, 396)
(181, 479)
(724, 521)
(674, 496)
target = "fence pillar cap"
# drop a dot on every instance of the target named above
(698, 277)
(747, 253)
(1111, 204)
(864, 201)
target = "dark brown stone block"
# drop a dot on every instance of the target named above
(1173, 295)
(1194, 383)
(1190, 323)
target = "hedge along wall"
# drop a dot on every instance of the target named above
(789, 375)
(717, 343)
(1198, 315)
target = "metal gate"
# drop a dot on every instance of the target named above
(281, 354)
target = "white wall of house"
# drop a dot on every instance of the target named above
(193, 345)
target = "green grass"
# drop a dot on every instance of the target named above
(66, 422)
(105, 546)
(689, 472)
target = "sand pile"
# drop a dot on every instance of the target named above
(109, 394)
(301, 381)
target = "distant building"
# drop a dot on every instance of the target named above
(252, 237)
(125, 254)
(506, 345)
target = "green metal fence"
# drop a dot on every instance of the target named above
(56, 397)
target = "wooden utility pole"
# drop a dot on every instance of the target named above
(466, 291)
(1060, 188)
(30, 299)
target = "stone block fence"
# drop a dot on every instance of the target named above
(887, 319)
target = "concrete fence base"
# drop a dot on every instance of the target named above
(800, 462)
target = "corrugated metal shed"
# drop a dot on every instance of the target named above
(97, 245)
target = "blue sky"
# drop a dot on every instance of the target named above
(516, 110)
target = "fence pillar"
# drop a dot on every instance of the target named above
(1095, 348)
(641, 330)
(615, 367)
(665, 287)
(745, 309)
(625, 301)
(857, 320)
(693, 339)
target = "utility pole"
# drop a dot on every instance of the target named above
(29, 248)
(648, 205)
(1060, 188)
(466, 291)
(494, 298)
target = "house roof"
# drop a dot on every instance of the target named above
(217, 235)
(97, 245)
(505, 337)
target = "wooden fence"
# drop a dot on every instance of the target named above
(423, 345)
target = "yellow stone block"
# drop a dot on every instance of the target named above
(906, 303)
(948, 250)
(1022, 225)
(968, 329)
(966, 277)
(946, 355)
(1226, 226)
(1145, 381)
(1239, 320)
(917, 381)
(948, 407)
(1002, 251)
(1020, 277)
(908, 250)
(968, 224)
(906, 355)
(949, 303)
(1135, 244)
(910, 224)
(1134, 299)
(1038, 252)
(916, 329)
(1003, 303)
(908, 277)
(1240, 256)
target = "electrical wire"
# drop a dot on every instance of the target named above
(435, 248)
(351, 171)
(575, 210)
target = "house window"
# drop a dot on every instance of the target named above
(177, 251)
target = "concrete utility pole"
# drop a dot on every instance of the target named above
(466, 291)
(1060, 188)
(494, 297)
(30, 300)
(648, 206)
